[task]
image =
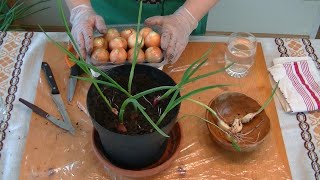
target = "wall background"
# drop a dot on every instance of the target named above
(299, 17)
(295, 17)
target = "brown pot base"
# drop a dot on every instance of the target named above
(169, 155)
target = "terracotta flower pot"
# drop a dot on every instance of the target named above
(132, 151)
(231, 105)
(171, 152)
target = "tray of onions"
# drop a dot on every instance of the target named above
(116, 47)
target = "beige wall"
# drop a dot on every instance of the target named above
(297, 17)
(301, 17)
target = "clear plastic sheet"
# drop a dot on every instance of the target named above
(52, 153)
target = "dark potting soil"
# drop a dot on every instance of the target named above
(134, 121)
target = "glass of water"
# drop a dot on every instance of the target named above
(241, 51)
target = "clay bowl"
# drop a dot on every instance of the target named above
(171, 152)
(231, 105)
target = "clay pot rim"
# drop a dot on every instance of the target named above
(229, 146)
(144, 172)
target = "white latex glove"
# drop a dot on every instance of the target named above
(84, 20)
(176, 29)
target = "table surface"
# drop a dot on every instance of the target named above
(48, 147)
(21, 55)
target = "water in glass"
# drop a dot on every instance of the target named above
(241, 51)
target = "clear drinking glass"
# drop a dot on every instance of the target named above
(241, 51)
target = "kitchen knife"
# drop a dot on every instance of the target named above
(55, 93)
(46, 115)
(74, 71)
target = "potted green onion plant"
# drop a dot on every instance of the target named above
(134, 107)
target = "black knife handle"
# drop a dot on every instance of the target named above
(34, 108)
(75, 70)
(47, 70)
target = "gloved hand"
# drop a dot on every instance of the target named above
(84, 20)
(176, 29)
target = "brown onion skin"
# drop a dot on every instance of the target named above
(132, 41)
(152, 39)
(126, 33)
(99, 56)
(153, 55)
(118, 56)
(100, 42)
(141, 57)
(145, 31)
(118, 42)
(111, 34)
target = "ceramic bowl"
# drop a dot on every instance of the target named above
(231, 105)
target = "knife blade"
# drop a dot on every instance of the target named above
(74, 71)
(56, 94)
(47, 116)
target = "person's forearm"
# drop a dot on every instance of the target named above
(199, 8)
(73, 3)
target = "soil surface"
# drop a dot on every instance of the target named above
(134, 121)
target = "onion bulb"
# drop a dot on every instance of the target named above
(118, 42)
(140, 57)
(100, 42)
(111, 34)
(126, 33)
(132, 41)
(152, 39)
(118, 56)
(144, 32)
(153, 55)
(99, 56)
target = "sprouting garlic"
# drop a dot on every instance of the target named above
(236, 126)
(224, 126)
(115, 111)
(247, 118)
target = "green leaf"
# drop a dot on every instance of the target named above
(17, 11)
(4, 7)
(151, 122)
(137, 96)
(205, 106)
(187, 73)
(135, 50)
(235, 145)
(30, 13)
(209, 74)
(152, 91)
(269, 99)
(93, 80)
(141, 109)
(233, 142)
(23, 12)
(179, 100)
